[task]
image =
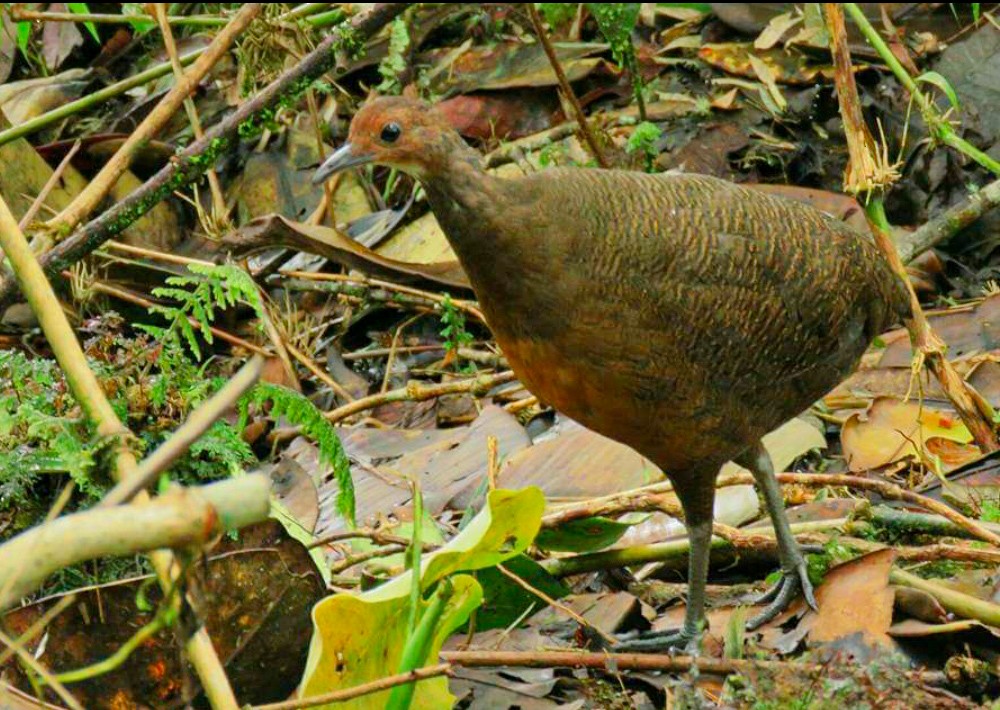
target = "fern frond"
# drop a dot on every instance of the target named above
(301, 412)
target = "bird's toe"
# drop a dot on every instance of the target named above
(783, 593)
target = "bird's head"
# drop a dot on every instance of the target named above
(399, 132)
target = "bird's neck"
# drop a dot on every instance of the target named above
(469, 205)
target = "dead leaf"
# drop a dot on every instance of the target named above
(855, 600)
(275, 231)
(895, 430)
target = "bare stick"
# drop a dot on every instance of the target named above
(416, 392)
(581, 117)
(360, 690)
(952, 220)
(187, 516)
(160, 9)
(99, 186)
(49, 185)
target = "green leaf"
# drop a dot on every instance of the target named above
(360, 637)
(23, 36)
(301, 412)
(932, 77)
(80, 8)
(506, 601)
(585, 535)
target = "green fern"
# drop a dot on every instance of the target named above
(211, 288)
(394, 64)
(300, 412)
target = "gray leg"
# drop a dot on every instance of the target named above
(698, 519)
(794, 576)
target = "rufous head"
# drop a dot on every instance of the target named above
(396, 131)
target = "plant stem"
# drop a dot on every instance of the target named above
(939, 127)
(581, 117)
(87, 390)
(90, 100)
(21, 14)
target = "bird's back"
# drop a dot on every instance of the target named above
(682, 314)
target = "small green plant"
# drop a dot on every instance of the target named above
(392, 67)
(990, 511)
(643, 140)
(454, 333)
(557, 14)
(616, 20)
(300, 412)
(210, 288)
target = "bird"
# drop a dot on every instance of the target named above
(680, 314)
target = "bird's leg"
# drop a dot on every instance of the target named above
(697, 504)
(794, 575)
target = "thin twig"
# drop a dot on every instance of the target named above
(98, 286)
(555, 603)
(21, 13)
(319, 373)
(416, 392)
(469, 307)
(218, 201)
(99, 186)
(49, 185)
(567, 90)
(441, 669)
(31, 662)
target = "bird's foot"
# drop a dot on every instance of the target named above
(671, 641)
(781, 595)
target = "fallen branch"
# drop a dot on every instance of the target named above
(99, 186)
(952, 220)
(179, 518)
(647, 499)
(360, 690)
(416, 392)
(193, 161)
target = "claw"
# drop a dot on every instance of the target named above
(670, 641)
(781, 595)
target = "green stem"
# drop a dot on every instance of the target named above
(415, 551)
(418, 645)
(325, 19)
(117, 658)
(939, 127)
(91, 100)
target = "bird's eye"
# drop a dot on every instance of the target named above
(390, 132)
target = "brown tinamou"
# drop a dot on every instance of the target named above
(682, 315)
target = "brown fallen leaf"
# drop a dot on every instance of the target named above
(894, 430)
(855, 599)
(273, 231)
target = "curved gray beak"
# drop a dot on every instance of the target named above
(341, 159)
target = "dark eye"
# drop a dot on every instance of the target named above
(390, 132)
